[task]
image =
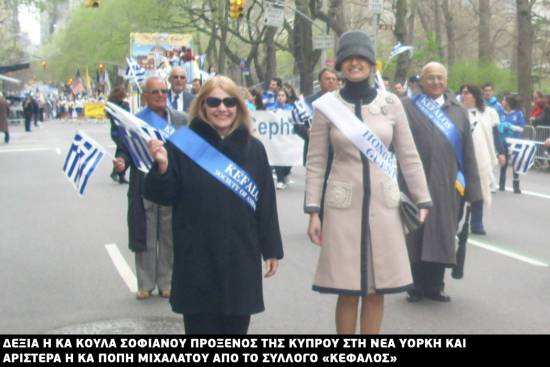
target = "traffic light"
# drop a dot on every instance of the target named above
(236, 8)
(91, 3)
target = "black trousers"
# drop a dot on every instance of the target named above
(28, 121)
(282, 173)
(502, 178)
(216, 324)
(428, 277)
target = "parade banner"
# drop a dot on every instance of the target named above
(153, 52)
(94, 110)
(275, 129)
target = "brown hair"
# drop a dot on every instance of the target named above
(198, 108)
(117, 94)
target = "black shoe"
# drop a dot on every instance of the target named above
(480, 231)
(438, 296)
(123, 181)
(414, 296)
(517, 190)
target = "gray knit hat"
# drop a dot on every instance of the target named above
(354, 43)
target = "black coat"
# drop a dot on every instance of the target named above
(219, 241)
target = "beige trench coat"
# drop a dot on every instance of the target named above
(363, 249)
(482, 124)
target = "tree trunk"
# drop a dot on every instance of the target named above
(270, 56)
(437, 28)
(401, 33)
(484, 44)
(525, 53)
(304, 56)
(450, 28)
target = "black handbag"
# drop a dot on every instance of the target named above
(410, 214)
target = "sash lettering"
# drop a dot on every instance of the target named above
(439, 118)
(217, 164)
(364, 139)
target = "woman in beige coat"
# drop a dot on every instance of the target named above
(362, 239)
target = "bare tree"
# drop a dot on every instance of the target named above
(450, 29)
(525, 51)
(484, 44)
(401, 32)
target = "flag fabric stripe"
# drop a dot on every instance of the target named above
(82, 159)
(135, 134)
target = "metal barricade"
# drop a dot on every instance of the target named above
(542, 156)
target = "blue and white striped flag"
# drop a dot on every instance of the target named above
(83, 158)
(399, 49)
(135, 71)
(137, 145)
(302, 114)
(135, 134)
(522, 154)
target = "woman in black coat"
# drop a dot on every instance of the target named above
(219, 240)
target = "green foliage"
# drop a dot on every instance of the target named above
(99, 35)
(427, 50)
(479, 73)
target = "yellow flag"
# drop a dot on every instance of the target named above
(88, 81)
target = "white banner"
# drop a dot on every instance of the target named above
(275, 129)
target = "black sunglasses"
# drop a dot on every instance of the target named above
(227, 101)
(158, 91)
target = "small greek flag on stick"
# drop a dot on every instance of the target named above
(83, 158)
(135, 72)
(302, 114)
(399, 49)
(522, 154)
(135, 133)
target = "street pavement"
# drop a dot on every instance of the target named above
(61, 273)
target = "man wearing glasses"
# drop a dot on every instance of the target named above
(149, 224)
(441, 130)
(180, 99)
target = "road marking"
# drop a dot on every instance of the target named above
(508, 253)
(20, 150)
(532, 193)
(122, 266)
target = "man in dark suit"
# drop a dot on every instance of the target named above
(149, 224)
(178, 97)
(328, 81)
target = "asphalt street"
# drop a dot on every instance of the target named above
(66, 266)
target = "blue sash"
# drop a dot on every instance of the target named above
(217, 164)
(439, 118)
(207, 157)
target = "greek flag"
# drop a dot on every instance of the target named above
(83, 158)
(137, 145)
(135, 134)
(522, 154)
(399, 49)
(302, 114)
(135, 71)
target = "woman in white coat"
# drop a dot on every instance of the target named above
(487, 144)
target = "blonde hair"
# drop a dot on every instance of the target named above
(198, 108)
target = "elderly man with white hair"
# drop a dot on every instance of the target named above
(442, 134)
(178, 96)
